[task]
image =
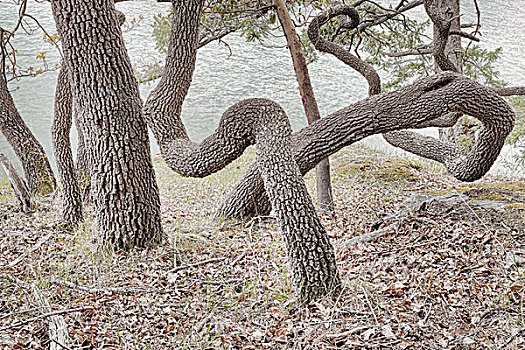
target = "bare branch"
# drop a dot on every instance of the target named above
(464, 35)
(365, 69)
(511, 91)
(389, 15)
(413, 52)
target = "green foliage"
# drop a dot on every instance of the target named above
(378, 44)
(381, 43)
(254, 20)
(517, 136)
(396, 37)
(478, 64)
(161, 31)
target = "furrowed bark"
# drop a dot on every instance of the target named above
(125, 193)
(38, 173)
(256, 121)
(163, 107)
(82, 166)
(323, 182)
(414, 106)
(446, 48)
(492, 136)
(264, 123)
(443, 16)
(71, 200)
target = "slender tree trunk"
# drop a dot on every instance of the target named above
(38, 173)
(71, 200)
(450, 9)
(125, 193)
(18, 184)
(322, 170)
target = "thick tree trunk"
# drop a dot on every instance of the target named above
(425, 103)
(71, 200)
(322, 170)
(38, 173)
(125, 192)
(257, 121)
(261, 122)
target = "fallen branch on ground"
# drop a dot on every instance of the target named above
(56, 324)
(49, 314)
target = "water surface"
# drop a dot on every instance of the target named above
(224, 77)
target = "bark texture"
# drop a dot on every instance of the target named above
(447, 48)
(457, 159)
(82, 165)
(427, 102)
(17, 183)
(125, 193)
(38, 173)
(321, 44)
(323, 181)
(71, 199)
(256, 122)
(445, 17)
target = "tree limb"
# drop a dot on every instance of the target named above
(49, 314)
(511, 91)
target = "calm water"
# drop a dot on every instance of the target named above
(223, 77)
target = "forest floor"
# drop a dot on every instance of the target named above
(434, 280)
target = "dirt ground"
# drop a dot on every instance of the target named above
(445, 278)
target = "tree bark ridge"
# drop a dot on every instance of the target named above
(322, 170)
(125, 193)
(417, 105)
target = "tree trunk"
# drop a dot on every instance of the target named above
(256, 121)
(18, 184)
(125, 193)
(323, 182)
(422, 104)
(38, 173)
(449, 9)
(71, 200)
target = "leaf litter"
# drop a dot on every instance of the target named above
(429, 282)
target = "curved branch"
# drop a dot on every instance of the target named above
(458, 160)
(443, 21)
(282, 158)
(365, 69)
(251, 122)
(421, 104)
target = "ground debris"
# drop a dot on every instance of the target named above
(432, 281)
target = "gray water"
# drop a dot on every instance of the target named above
(223, 77)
